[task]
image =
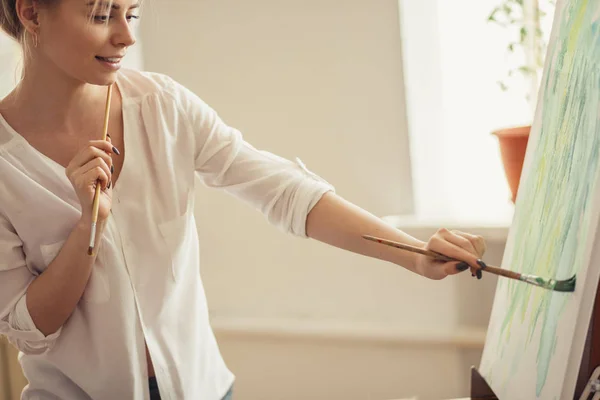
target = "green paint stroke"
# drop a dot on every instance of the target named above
(554, 213)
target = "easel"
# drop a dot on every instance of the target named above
(588, 383)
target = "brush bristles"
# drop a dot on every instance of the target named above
(567, 285)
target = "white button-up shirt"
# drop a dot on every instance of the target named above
(145, 283)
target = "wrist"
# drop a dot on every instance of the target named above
(84, 229)
(407, 259)
(85, 221)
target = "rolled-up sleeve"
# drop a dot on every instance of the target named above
(15, 321)
(283, 190)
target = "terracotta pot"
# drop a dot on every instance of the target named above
(513, 144)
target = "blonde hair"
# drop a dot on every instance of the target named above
(9, 20)
(12, 26)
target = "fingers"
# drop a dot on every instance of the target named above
(453, 268)
(454, 246)
(477, 241)
(458, 240)
(93, 175)
(479, 244)
(95, 148)
(459, 247)
(94, 165)
(104, 145)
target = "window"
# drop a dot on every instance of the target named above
(453, 60)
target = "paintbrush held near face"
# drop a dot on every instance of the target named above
(567, 285)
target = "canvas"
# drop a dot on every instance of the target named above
(535, 336)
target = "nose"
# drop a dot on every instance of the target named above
(124, 35)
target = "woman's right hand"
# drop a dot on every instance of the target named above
(91, 164)
(453, 244)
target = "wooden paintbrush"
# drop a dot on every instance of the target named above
(567, 285)
(98, 184)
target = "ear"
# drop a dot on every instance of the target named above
(27, 10)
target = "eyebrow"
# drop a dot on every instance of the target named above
(113, 5)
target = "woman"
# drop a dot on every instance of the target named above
(132, 317)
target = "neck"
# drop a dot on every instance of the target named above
(58, 102)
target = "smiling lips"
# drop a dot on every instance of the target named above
(112, 60)
(111, 63)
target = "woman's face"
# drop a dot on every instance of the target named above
(86, 42)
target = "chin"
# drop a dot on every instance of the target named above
(103, 79)
(90, 74)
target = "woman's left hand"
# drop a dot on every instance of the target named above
(455, 244)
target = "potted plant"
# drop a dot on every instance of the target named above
(523, 20)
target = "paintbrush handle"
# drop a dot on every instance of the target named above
(441, 257)
(502, 272)
(96, 204)
(410, 248)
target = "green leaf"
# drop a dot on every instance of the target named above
(523, 33)
(492, 16)
(526, 70)
(502, 86)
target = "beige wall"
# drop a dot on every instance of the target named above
(321, 80)
(11, 377)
